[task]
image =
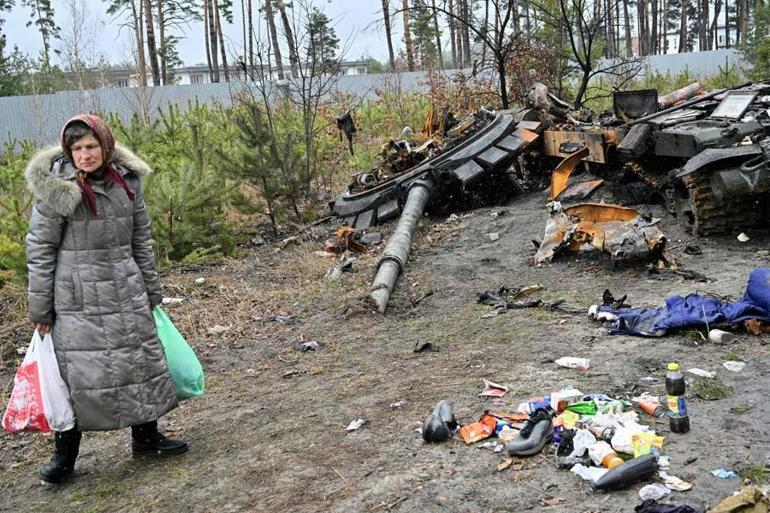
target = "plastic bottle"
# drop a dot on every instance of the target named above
(603, 454)
(652, 406)
(603, 433)
(679, 420)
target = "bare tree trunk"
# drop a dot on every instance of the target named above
(269, 16)
(459, 33)
(139, 33)
(663, 29)
(727, 24)
(407, 36)
(438, 36)
(152, 48)
(206, 37)
(250, 60)
(453, 43)
(654, 28)
(609, 30)
(218, 21)
(293, 55)
(516, 17)
(486, 28)
(683, 27)
(627, 20)
(713, 40)
(162, 41)
(466, 15)
(243, 27)
(703, 19)
(640, 26)
(213, 40)
(388, 35)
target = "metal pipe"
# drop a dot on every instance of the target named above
(396, 252)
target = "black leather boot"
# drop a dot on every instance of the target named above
(62, 464)
(147, 441)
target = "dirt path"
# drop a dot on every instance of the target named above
(269, 435)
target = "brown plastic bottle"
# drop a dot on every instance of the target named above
(679, 420)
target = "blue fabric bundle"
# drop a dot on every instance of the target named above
(694, 310)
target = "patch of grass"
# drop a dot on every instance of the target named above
(740, 409)
(757, 474)
(711, 389)
(733, 357)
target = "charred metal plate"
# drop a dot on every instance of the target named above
(714, 155)
(532, 126)
(636, 142)
(364, 220)
(510, 143)
(469, 172)
(554, 139)
(388, 211)
(492, 157)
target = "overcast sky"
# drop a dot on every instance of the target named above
(353, 20)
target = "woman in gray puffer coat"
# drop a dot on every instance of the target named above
(93, 285)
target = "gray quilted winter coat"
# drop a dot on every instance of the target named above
(94, 278)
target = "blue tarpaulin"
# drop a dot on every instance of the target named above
(693, 310)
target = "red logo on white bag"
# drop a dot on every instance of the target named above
(25, 410)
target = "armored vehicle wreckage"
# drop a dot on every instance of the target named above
(707, 157)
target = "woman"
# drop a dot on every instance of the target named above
(93, 285)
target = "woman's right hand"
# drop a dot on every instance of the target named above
(42, 328)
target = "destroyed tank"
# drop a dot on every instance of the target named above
(452, 161)
(708, 156)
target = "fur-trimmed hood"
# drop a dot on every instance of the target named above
(51, 177)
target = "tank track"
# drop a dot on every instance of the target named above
(705, 215)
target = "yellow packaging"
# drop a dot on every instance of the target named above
(644, 442)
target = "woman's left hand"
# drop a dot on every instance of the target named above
(42, 328)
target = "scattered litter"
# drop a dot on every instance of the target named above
(355, 424)
(507, 462)
(653, 492)
(722, 473)
(749, 500)
(200, 281)
(702, 373)
(651, 506)
(493, 389)
(743, 237)
(283, 318)
(425, 347)
(452, 218)
(171, 300)
(734, 366)
(324, 254)
(293, 372)
(479, 430)
(397, 405)
(493, 236)
(492, 446)
(592, 474)
(722, 337)
(664, 463)
(572, 362)
(306, 346)
(217, 329)
(345, 239)
(674, 483)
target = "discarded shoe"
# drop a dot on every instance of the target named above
(441, 423)
(533, 436)
(628, 473)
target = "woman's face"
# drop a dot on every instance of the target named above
(87, 153)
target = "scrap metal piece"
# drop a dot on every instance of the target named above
(619, 231)
(579, 191)
(563, 171)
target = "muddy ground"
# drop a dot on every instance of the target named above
(269, 435)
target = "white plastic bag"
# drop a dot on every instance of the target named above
(38, 381)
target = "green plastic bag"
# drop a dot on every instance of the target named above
(185, 369)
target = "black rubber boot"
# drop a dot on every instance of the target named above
(62, 464)
(147, 441)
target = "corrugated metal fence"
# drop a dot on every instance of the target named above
(39, 118)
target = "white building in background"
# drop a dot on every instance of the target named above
(199, 74)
